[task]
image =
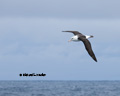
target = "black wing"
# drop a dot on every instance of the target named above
(88, 48)
(74, 32)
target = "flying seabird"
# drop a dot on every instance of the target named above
(84, 38)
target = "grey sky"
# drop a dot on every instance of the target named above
(31, 39)
(61, 8)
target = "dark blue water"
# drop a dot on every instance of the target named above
(59, 88)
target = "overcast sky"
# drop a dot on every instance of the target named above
(32, 41)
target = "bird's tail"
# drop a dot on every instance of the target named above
(87, 37)
(91, 36)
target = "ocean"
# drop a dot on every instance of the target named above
(59, 88)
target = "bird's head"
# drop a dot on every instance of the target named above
(74, 38)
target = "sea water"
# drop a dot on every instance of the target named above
(59, 88)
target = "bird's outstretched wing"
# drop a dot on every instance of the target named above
(88, 48)
(74, 32)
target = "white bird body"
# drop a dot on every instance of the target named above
(75, 38)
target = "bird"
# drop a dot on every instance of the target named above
(84, 38)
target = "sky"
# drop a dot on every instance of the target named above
(32, 41)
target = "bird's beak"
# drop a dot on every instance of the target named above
(70, 40)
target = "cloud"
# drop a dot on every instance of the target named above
(61, 9)
(19, 34)
(39, 45)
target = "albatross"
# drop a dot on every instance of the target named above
(84, 38)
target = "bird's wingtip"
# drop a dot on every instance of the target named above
(65, 31)
(96, 60)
